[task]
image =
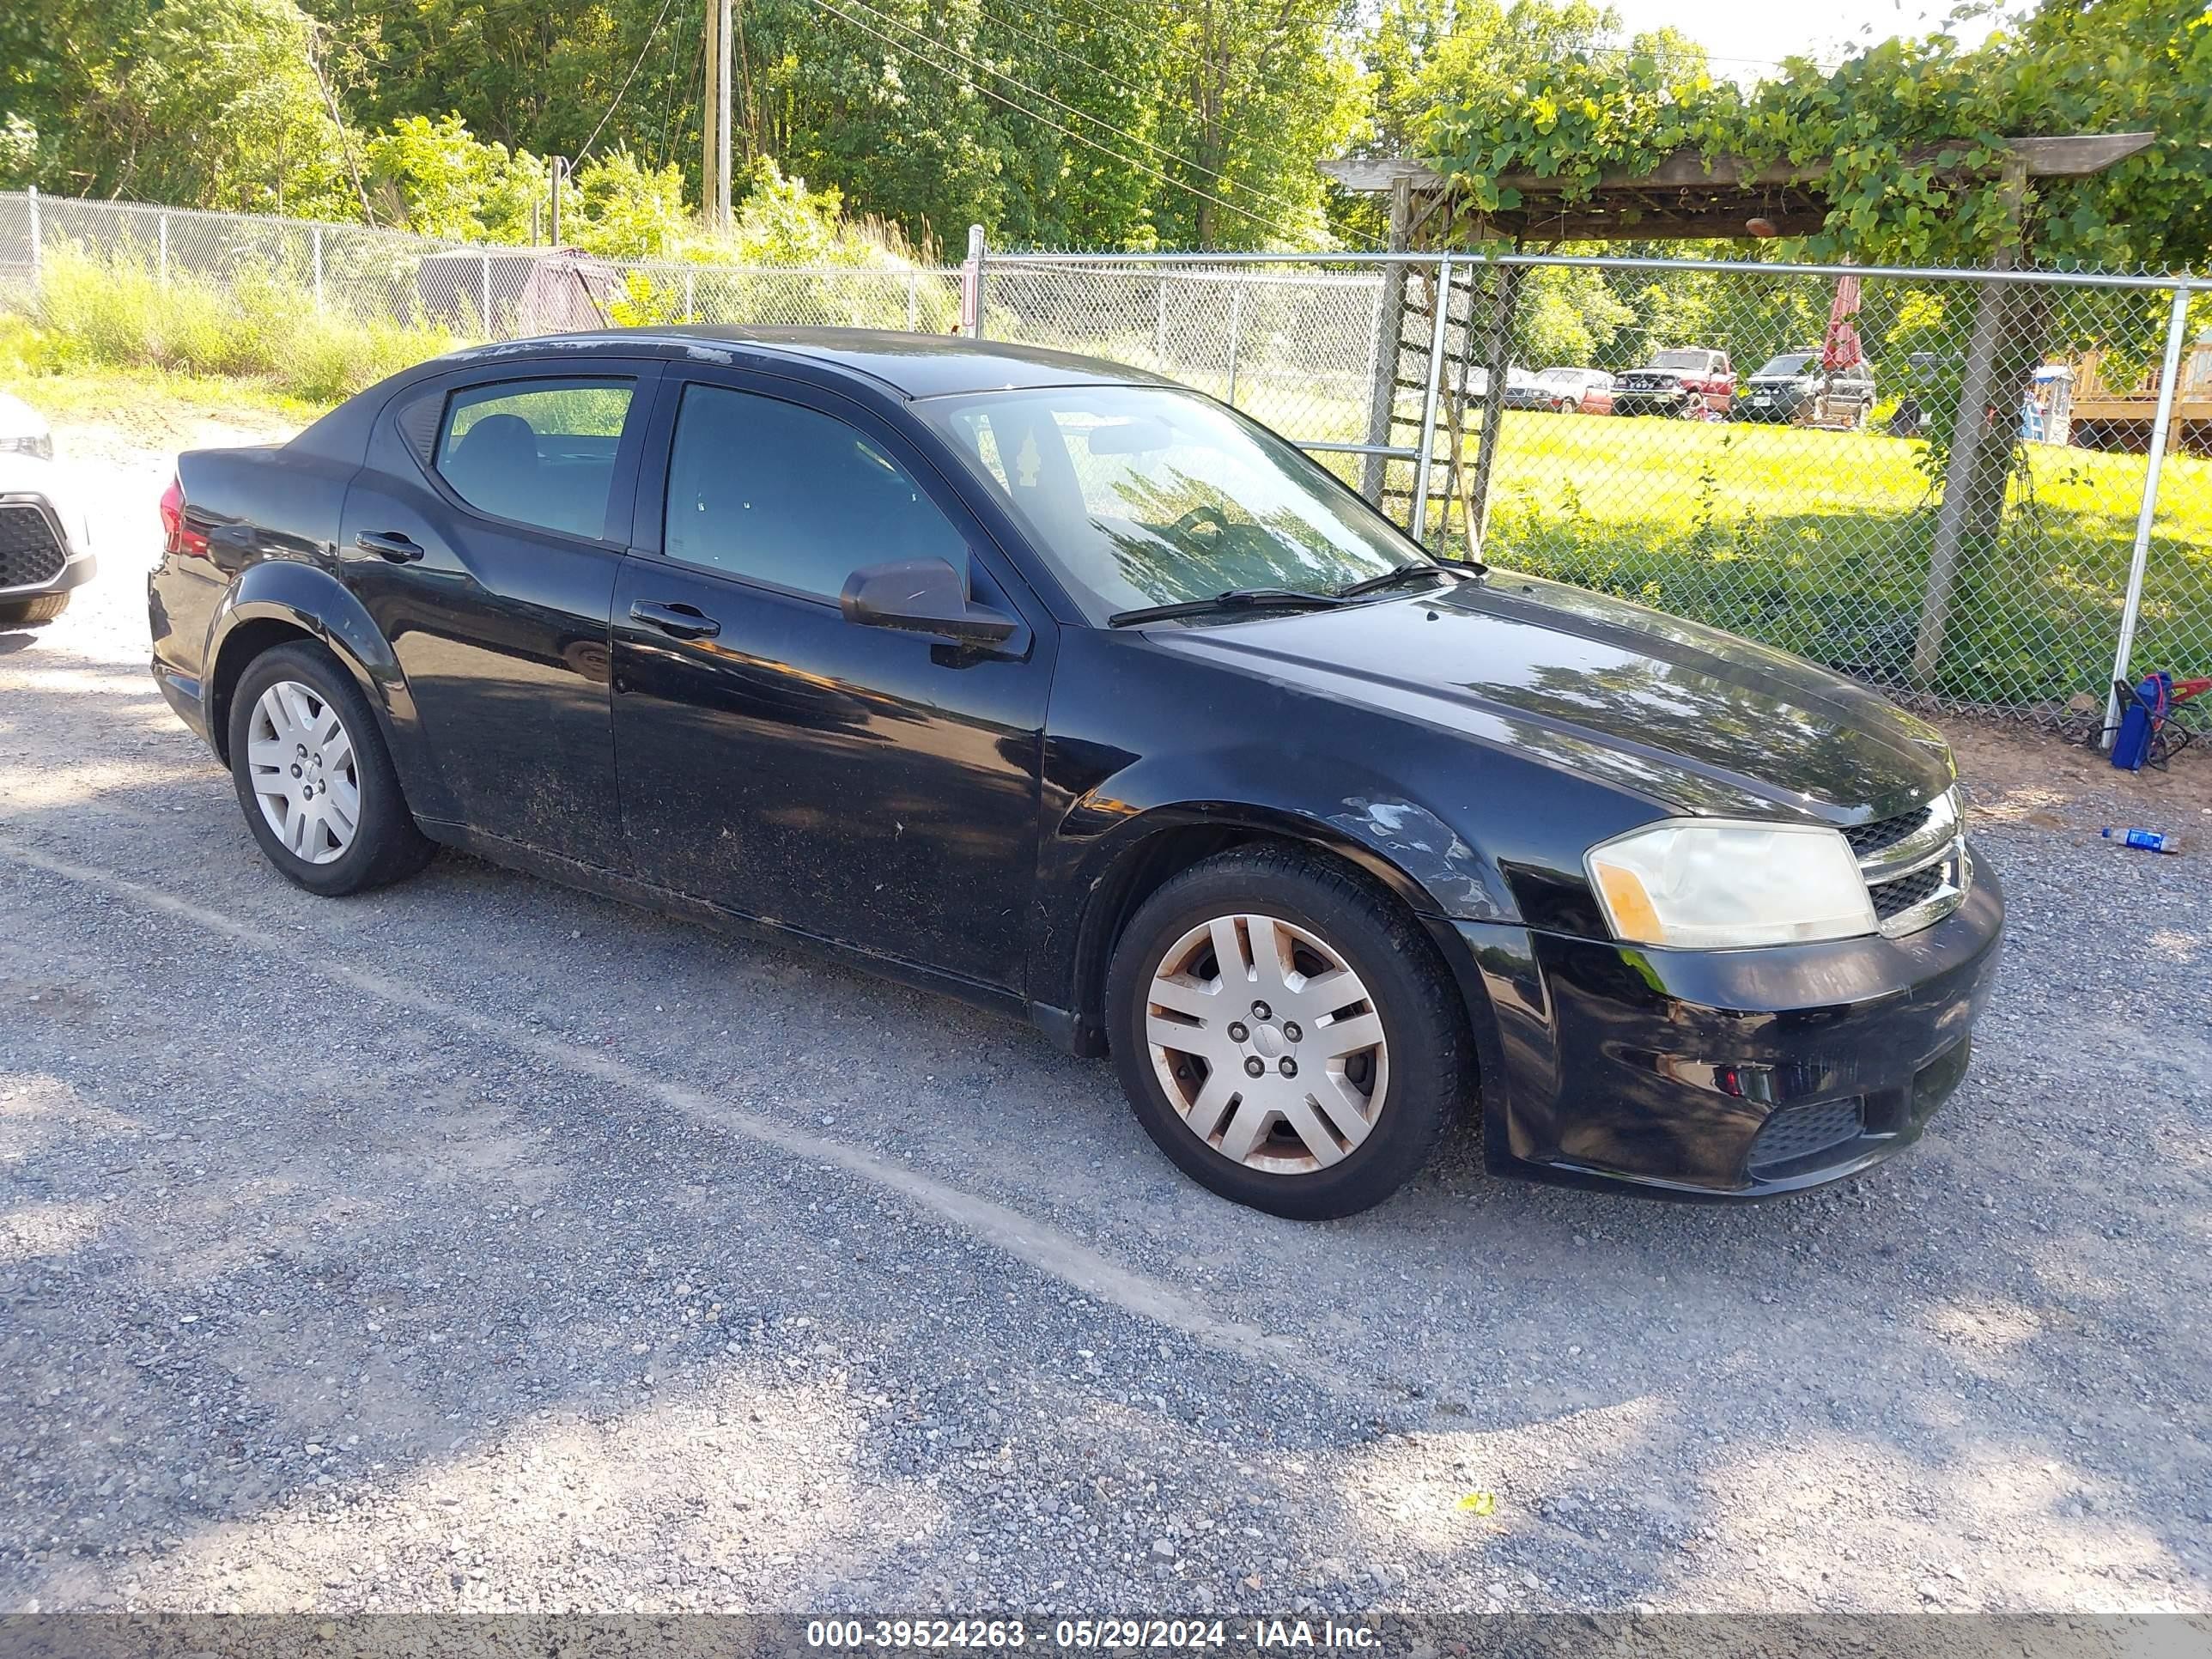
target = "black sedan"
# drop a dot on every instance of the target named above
(1068, 691)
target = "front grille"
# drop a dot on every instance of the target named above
(1915, 865)
(1867, 839)
(1798, 1133)
(30, 553)
(1894, 898)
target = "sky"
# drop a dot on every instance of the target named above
(1746, 38)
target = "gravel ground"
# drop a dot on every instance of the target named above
(478, 1245)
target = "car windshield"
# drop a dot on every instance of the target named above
(1563, 376)
(1790, 362)
(1679, 360)
(1144, 495)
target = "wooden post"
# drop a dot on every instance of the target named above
(710, 124)
(1390, 325)
(1980, 445)
(1504, 295)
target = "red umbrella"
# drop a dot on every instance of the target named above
(1841, 350)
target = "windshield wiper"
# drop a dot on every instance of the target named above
(1398, 573)
(1236, 599)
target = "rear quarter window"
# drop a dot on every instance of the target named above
(540, 452)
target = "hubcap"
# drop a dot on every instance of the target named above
(300, 759)
(1268, 1044)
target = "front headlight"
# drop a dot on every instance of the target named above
(1711, 884)
(40, 444)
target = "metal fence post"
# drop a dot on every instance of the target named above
(318, 267)
(913, 303)
(163, 269)
(32, 193)
(1235, 337)
(1421, 468)
(691, 296)
(971, 284)
(2169, 377)
(487, 294)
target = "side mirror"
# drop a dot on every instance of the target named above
(921, 596)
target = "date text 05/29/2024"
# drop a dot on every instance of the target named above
(1109, 1635)
(1091, 1635)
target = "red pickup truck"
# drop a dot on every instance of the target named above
(1689, 381)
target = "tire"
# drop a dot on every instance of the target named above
(354, 769)
(44, 609)
(1388, 1102)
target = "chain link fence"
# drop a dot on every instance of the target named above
(472, 291)
(1934, 481)
(1971, 490)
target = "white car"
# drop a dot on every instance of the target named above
(45, 542)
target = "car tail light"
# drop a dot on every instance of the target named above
(180, 537)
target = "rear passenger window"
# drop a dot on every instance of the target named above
(782, 494)
(540, 451)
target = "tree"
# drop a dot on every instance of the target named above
(211, 102)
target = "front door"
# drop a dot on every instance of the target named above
(484, 536)
(874, 787)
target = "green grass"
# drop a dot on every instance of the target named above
(1814, 541)
(98, 314)
(1819, 542)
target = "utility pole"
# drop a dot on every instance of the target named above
(715, 130)
(722, 119)
(710, 118)
(559, 167)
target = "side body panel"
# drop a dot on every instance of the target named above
(500, 629)
(864, 785)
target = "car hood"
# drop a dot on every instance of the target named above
(1694, 719)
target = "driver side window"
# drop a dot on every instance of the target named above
(777, 493)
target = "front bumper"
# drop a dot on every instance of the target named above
(1721, 1073)
(1649, 403)
(38, 555)
(1782, 403)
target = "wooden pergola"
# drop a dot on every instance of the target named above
(1686, 198)
(1689, 197)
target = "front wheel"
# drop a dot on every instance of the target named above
(1285, 1034)
(44, 608)
(314, 778)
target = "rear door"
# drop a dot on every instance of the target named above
(874, 788)
(484, 536)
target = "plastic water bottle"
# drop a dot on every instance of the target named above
(2148, 840)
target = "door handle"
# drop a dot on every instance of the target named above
(389, 545)
(683, 621)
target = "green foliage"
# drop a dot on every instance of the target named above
(1568, 315)
(207, 101)
(1910, 131)
(1056, 121)
(627, 209)
(116, 311)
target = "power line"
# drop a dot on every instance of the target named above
(636, 63)
(1035, 22)
(1126, 160)
(683, 115)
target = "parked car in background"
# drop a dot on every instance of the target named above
(1692, 382)
(46, 543)
(1565, 391)
(980, 660)
(1794, 388)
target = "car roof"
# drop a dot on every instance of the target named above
(911, 365)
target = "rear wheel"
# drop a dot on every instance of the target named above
(314, 777)
(1285, 1034)
(44, 608)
